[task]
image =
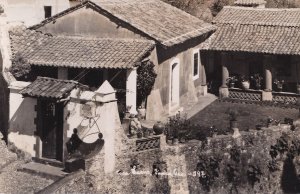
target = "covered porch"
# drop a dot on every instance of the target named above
(259, 77)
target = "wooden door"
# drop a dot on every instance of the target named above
(51, 127)
(49, 130)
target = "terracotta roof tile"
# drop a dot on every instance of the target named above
(257, 39)
(49, 88)
(249, 2)
(164, 23)
(266, 31)
(254, 16)
(44, 50)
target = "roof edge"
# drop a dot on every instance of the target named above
(99, 8)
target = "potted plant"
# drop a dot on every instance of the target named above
(298, 88)
(256, 78)
(145, 81)
(278, 84)
(139, 133)
(146, 132)
(233, 118)
(244, 82)
(231, 81)
(158, 128)
(142, 112)
(175, 136)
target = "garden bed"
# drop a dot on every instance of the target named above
(248, 115)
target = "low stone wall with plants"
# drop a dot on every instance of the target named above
(263, 161)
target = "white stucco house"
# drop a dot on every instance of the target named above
(31, 12)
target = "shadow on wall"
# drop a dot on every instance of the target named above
(4, 104)
(23, 119)
(290, 182)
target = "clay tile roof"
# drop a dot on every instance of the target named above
(253, 16)
(249, 2)
(49, 88)
(162, 22)
(62, 51)
(266, 31)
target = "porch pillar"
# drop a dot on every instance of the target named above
(203, 76)
(267, 93)
(131, 83)
(62, 73)
(223, 91)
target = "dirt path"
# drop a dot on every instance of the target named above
(13, 181)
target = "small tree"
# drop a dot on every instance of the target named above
(145, 81)
(20, 69)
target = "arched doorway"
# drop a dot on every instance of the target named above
(174, 85)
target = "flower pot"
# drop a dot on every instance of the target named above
(233, 124)
(141, 113)
(298, 88)
(146, 133)
(139, 135)
(175, 141)
(231, 85)
(258, 86)
(169, 141)
(236, 133)
(245, 85)
(158, 128)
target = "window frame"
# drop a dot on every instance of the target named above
(196, 51)
(47, 8)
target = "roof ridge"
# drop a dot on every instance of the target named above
(105, 7)
(104, 38)
(260, 9)
(56, 79)
(280, 24)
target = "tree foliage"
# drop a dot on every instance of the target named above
(20, 69)
(145, 81)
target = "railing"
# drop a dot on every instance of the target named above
(285, 98)
(251, 95)
(148, 143)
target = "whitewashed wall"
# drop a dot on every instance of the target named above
(31, 12)
(21, 119)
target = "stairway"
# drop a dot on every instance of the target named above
(44, 170)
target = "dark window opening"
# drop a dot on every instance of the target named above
(283, 67)
(48, 11)
(45, 71)
(196, 59)
(92, 78)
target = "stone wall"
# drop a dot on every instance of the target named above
(254, 148)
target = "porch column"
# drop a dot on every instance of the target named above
(62, 73)
(131, 83)
(203, 76)
(223, 91)
(267, 93)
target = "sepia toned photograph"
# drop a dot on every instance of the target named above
(150, 96)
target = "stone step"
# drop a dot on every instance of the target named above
(47, 161)
(43, 170)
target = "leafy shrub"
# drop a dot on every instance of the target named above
(177, 125)
(254, 174)
(20, 69)
(208, 168)
(145, 81)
